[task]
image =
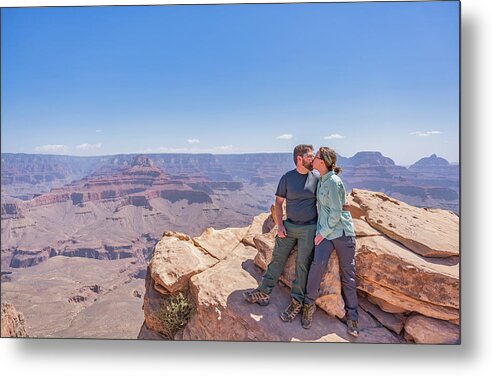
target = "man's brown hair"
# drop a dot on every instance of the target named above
(300, 150)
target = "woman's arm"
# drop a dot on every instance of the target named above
(335, 203)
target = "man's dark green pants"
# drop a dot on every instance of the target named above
(303, 236)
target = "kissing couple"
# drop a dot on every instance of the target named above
(319, 222)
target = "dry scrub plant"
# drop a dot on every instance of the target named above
(174, 315)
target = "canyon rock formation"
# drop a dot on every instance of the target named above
(13, 323)
(430, 182)
(119, 212)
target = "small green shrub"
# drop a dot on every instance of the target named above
(174, 315)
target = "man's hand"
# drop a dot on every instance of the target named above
(281, 231)
(318, 239)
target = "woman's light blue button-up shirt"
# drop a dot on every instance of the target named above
(332, 220)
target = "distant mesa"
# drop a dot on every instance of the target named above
(142, 161)
(373, 158)
(432, 161)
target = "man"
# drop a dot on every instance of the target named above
(298, 188)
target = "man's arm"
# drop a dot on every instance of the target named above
(278, 217)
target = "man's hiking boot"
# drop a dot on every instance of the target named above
(257, 296)
(307, 315)
(291, 311)
(352, 327)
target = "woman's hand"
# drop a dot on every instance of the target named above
(318, 239)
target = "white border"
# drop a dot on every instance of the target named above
(86, 357)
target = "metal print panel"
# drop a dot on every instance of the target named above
(242, 172)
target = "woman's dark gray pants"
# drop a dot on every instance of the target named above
(345, 247)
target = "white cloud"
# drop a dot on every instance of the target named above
(285, 137)
(51, 149)
(87, 147)
(166, 149)
(98, 130)
(191, 150)
(425, 134)
(334, 136)
(193, 140)
(224, 148)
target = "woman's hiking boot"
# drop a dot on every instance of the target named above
(307, 315)
(291, 311)
(352, 327)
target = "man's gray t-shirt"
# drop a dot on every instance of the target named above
(299, 190)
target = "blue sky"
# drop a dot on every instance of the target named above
(232, 79)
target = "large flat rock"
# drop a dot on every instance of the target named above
(428, 232)
(391, 272)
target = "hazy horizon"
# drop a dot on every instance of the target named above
(222, 154)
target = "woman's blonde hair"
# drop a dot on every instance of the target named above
(329, 156)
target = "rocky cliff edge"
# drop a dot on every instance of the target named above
(407, 268)
(12, 322)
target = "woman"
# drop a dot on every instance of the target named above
(335, 230)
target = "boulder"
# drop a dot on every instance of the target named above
(219, 243)
(175, 260)
(421, 329)
(262, 223)
(390, 272)
(428, 232)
